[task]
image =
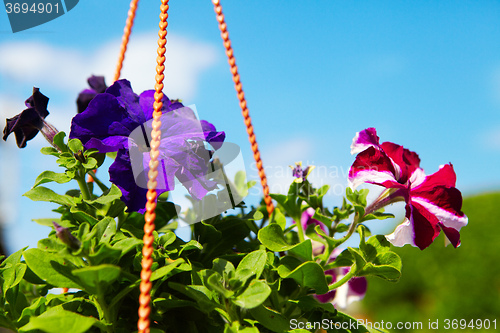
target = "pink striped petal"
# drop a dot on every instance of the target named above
(364, 139)
(405, 161)
(448, 219)
(371, 166)
(402, 235)
(425, 225)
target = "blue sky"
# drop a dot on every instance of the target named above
(426, 74)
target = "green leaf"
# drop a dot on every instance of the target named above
(126, 245)
(51, 244)
(382, 261)
(308, 303)
(48, 222)
(59, 141)
(279, 218)
(51, 176)
(358, 258)
(215, 282)
(236, 327)
(257, 216)
(291, 203)
(96, 279)
(191, 245)
(165, 270)
(255, 262)
(75, 145)
(13, 259)
(302, 250)
(51, 267)
(272, 237)
(35, 309)
(45, 194)
(322, 218)
(103, 230)
(90, 163)
(379, 215)
(357, 197)
(254, 295)
(104, 253)
(201, 294)
(12, 276)
(224, 268)
(57, 320)
(49, 151)
(270, 319)
(308, 274)
(111, 195)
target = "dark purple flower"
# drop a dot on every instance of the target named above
(119, 120)
(353, 290)
(29, 122)
(433, 204)
(97, 86)
(299, 173)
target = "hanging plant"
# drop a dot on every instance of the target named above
(114, 249)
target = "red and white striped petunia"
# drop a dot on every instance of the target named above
(433, 204)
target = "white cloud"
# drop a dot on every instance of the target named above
(9, 171)
(67, 69)
(278, 158)
(491, 139)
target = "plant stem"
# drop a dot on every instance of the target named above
(346, 278)
(352, 227)
(300, 230)
(83, 186)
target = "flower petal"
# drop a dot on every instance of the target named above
(448, 218)
(306, 220)
(128, 100)
(402, 235)
(425, 225)
(364, 139)
(358, 286)
(133, 195)
(103, 117)
(372, 166)
(405, 161)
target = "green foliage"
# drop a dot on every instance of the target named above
(246, 272)
(443, 282)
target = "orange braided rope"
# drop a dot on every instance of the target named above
(149, 217)
(243, 104)
(126, 34)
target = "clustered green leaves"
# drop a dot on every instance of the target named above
(247, 272)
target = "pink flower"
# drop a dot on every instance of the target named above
(433, 204)
(353, 290)
(306, 220)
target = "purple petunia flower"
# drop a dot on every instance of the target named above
(29, 122)
(353, 290)
(433, 204)
(119, 120)
(299, 173)
(97, 86)
(306, 220)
